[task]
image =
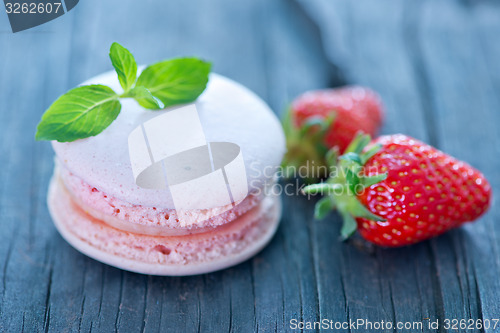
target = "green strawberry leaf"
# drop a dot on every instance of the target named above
(368, 181)
(305, 144)
(286, 122)
(80, 113)
(357, 209)
(323, 207)
(348, 227)
(124, 63)
(370, 153)
(332, 156)
(322, 188)
(358, 143)
(341, 188)
(144, 97)
(175, 81)
(351, 158)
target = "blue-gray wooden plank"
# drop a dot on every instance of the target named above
(434, 63)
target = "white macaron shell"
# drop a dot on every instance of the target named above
(228, 112)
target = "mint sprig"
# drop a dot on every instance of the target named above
(88, 110)
(125, 66)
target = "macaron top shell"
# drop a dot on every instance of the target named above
(228, 112)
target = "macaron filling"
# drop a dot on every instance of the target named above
(148, 220)
(230, 239)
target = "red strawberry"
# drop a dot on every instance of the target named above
(323, 119)
(402, 191)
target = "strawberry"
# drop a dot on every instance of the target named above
(323, 119)
(401, 191)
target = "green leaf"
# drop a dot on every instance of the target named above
(144, 97)
(348, 227)
(357, 209)
(332, 156)
(352, 180)
(351, 157)
(370, 153)
(322, 188)
(372, 180)
(80, 113)
(176, 81)
(124, 63)
(286, 122)
(312, 122)
(323, 207)
(358, 143)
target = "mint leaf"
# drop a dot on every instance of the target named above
(175, 81)
(80, 113)
(124, 63)
(144, 97)
(88, 110)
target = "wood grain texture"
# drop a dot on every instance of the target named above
(431, 62)
(434, 62)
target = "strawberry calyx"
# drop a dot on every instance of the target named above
(345, 183)
(305, 144)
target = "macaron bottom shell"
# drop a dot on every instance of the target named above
(200, 253)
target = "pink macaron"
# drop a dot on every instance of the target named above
(100, 209)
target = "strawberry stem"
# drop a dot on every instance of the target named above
(305, 144)
(343, 187)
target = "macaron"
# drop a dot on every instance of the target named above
(100, 208)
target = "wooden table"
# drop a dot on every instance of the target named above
(436, 65)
